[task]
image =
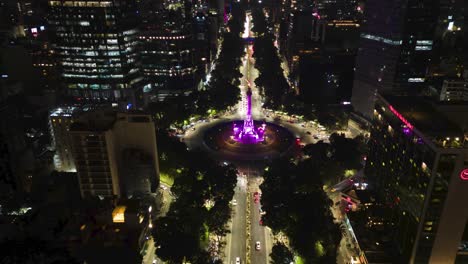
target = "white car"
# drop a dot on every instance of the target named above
(234, 202)
(257, 245)
(238, 260)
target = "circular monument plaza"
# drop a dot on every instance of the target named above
(277, 141)
(249, 139)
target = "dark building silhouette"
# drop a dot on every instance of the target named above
(395, 48)
(320, 54)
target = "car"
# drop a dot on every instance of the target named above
(234, 202)
(193, 128)
(257, 245)
(308, 133)
(315, 137)
(238, 261)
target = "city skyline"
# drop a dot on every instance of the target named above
(233, 131)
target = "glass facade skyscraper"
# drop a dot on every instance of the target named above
(96, 48)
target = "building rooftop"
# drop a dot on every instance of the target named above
(94, 118)
(419, 113)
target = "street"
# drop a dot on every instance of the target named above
(245, 228)
(258, 232)
(236, 239)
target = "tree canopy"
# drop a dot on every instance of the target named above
(295, 203)
(280, 254)
(271, 78)
(202, 194)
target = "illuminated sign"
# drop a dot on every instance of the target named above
(464, 175)
(395, 112)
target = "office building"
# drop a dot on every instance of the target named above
(205, 32)
(320, 56)
(168, 54)
(101, 139)
(454, 90)
(96, 49)
(449, 55)
(418, 166)
(395, 47)
(325, 78)
(336, 9)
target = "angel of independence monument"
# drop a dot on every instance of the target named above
(248, 134)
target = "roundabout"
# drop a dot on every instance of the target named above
(245, 135)
(249, 139)
(278, 141)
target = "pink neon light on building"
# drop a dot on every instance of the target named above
(403, 119)
(464, 175)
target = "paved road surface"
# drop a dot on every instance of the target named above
(258, 232)
(236, 240)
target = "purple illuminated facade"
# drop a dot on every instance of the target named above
(248, 134)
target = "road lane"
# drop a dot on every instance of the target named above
(258, 232)
(236, 244)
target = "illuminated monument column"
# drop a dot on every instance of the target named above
(248, 134)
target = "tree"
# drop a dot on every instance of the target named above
(31, 250)
(271, 78)
(346, 151)
(171, 111)
(182, 233)
(277, 193)
(178, 234)
(280, 254)
(295, 203)
(173, 154)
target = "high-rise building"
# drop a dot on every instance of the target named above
(395, 48)
(101, 140)
(448, 50)
(96, 48)
(337, 9)
(454, 90)
(418, 165)
(168, 54)
(320, 55)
